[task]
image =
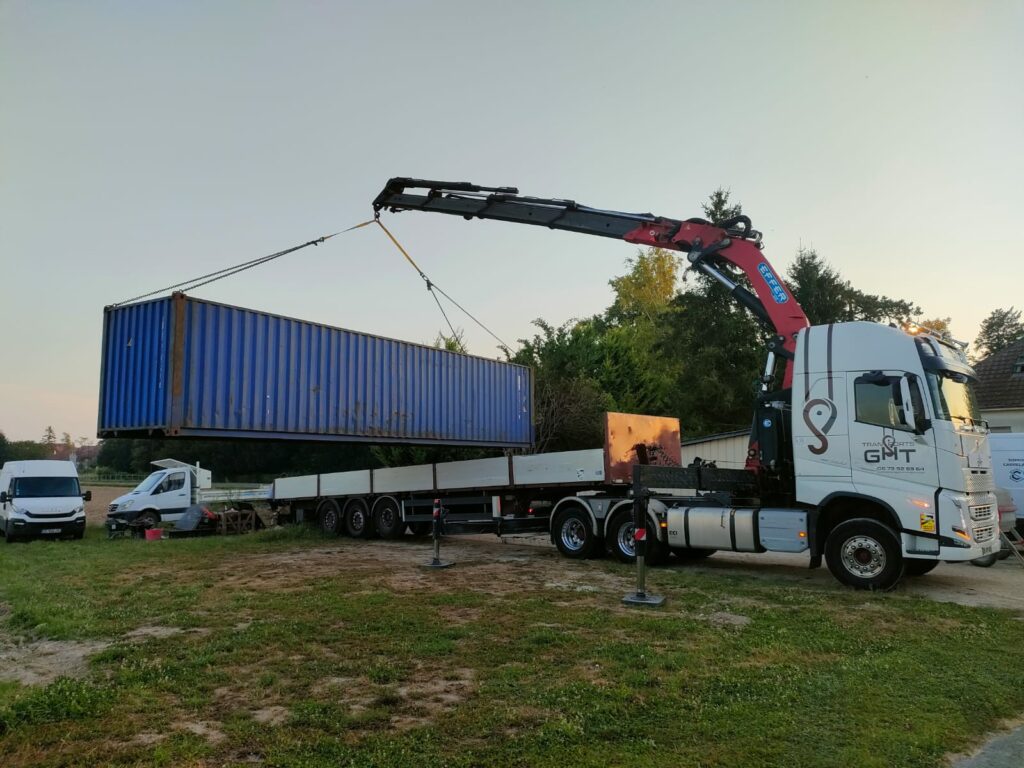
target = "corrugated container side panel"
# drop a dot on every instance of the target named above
(245, 371)
(134, 380)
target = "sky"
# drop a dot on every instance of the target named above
(145, 143)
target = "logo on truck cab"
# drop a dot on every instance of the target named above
(779, 294)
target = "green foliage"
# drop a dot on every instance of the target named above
(827, 298)
(1001, 328)
(20, 450)
(675, 347)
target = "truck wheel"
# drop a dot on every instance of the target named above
(328, 517)
(619, 539)
(357, 519)
(574, 536)
(919, 567)
(388, 519)
(864, 554)
(150, 517)
(688, 555)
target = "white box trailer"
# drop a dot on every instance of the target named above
(1008, 465)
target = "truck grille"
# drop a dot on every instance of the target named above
(978, 481)
(982, 512)
(983, 533)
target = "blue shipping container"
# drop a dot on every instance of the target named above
(183, 366)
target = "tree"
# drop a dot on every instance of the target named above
(453, 343)
(1001, 328)
(827, 298)
(939, 325)
(66, 441)
(648, 287)
(49, 437)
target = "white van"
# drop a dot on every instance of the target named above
(1008, 465)
(41, 498)
(164, 496)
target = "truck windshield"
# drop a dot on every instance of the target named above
(149, 483)
(953, 396)
(45, 487)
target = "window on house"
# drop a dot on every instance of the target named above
(1018, 367)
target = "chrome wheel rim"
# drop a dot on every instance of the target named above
(574, 534)
(626, 538)
(863, 556)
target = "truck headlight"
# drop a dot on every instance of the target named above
(126, 504)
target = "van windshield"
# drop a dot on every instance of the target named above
(149, 483)
(45, 487)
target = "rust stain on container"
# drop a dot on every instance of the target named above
(630, 439)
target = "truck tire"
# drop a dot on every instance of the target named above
(358, 524)
(328, 517)
(574, 535)
(388, 519)
(919, 567)
(618, 538)
(864, 554)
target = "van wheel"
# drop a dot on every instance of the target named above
(150, 517)
(357, 519)
(619, 539)
(388, 519)
(574, 536)
(920, 567)
(985, 561)
(328, 517)
(8, 534)
(864, 554)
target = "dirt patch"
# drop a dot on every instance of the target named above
(273, 715)
(102, 495)
(427, 697)
(724, 619)
(43, 661)
(207, 729)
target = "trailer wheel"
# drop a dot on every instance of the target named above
(916, 567)
(864, 554)
(574, 536)
(328, 517)
(388, 519)
(619, 537)
(357, 520)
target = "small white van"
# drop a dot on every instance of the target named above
(164, 496)
(41, 498)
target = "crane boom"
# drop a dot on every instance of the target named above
(710, 247)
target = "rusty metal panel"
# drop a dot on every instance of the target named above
(631, 439)
(227, 371)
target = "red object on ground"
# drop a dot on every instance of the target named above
(154, 534)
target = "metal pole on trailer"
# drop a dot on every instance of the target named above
(641, 495)
(437, 562)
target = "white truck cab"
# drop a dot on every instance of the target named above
(164, 496)
(41, 498)
(886, 427)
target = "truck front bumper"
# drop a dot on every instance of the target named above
(25, 529)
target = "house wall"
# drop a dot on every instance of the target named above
(1000, 418)
(729, 451)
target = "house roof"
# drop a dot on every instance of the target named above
(998, 385)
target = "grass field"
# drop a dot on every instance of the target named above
(288, 649)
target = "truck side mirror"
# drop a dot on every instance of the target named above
(87, 496)
(906, 403)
